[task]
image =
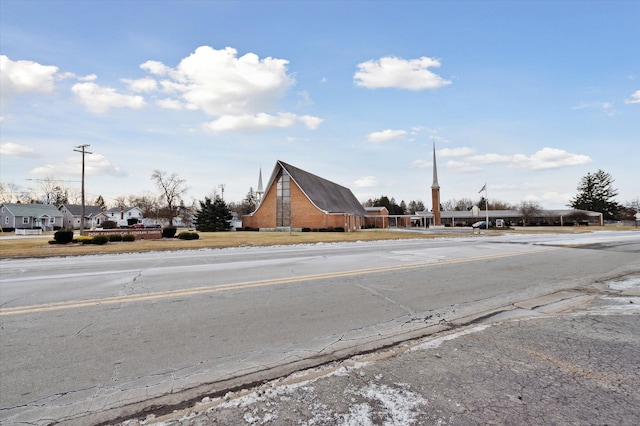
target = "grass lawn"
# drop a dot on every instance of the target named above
(38, 246)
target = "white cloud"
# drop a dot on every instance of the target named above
(546, 158)
(67, 75)
(305, 99)
(16, 150)
(142, 85)
(310, 121)
(169, 103)
(222, 84)
(635, 98)
(95, 165)
(492, 158)
(385, 135)
(25, 76)
(462, 166)
(606, 107)
(155, 67)
(454, 152)
(253, 122)
(239, 92)
(413, 74)
(553, 158)
(420, 164)
(365, 182)
(100, 99)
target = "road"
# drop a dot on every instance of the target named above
(89, 339)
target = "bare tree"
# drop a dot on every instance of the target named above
(53, 191)
(120, 201)
(529, 210)
(146, 202)
(458, 205)
(171, 188)
(9, 192)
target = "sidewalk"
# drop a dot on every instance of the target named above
(578, 363)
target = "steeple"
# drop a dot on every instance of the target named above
(435, 169)
(260, 191)
(435, 192)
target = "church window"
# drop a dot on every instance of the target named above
(283, 200)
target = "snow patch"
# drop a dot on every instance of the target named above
(625, 284)
(435, 343)
(395, 406)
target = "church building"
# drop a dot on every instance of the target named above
(296, 199)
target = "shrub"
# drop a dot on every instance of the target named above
(128, 237)
(169, 232)
(53, 242)
(100, 240)
(115, 238)
(306, 229)
(109, 224)
(84, 240)
(188, 236)
(63, 237)
(338, 229)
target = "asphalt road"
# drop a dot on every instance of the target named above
(90, 339)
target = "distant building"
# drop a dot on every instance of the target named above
(73, 212)
(122, 216)
(515, 217)
(296, 199)
(45, 217)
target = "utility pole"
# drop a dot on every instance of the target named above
(222, 185)
(82, 149)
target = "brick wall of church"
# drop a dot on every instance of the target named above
(303, 213)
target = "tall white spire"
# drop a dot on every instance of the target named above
(435, 184)
(260, 191)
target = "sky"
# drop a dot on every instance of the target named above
(525, 96)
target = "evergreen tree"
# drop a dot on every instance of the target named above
(213, 216)
(596, 193)
(100, 203)
(391, 205)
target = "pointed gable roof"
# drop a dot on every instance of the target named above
(32, 210)
(76, 209)
(324, 194)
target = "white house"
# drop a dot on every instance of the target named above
(122, 216)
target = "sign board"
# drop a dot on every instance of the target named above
(475, 211)
(140, 234)
(638, 216)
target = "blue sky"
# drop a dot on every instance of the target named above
(526, 96)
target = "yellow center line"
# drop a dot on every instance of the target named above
(140, 297)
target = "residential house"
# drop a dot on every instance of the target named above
(45, 217)
(122, 216)
(73, 213)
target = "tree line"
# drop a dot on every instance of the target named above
(595, 193)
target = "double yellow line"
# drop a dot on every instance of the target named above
(141, 297)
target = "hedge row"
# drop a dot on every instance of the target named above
(66, 237)
(188, 236)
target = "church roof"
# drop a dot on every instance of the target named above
(324, 194)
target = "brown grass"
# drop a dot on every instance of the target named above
(37, 246)
(31, 246)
